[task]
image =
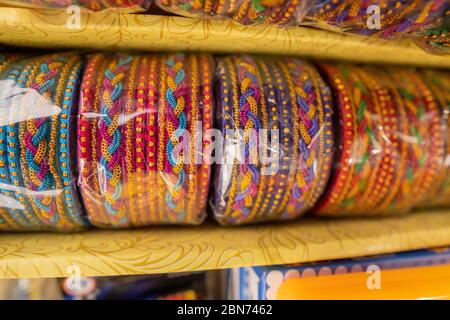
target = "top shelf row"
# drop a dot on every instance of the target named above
(122, 31)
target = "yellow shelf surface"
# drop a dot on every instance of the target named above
(177, 249)
(116, 30)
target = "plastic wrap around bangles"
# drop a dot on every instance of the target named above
(93, 5)
(38, 101)
(247, 12)
(385, 19)
(139, 122)
(276, 118)
(439, 83)
(390, 141)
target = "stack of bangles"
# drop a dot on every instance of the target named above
(139, 121)
(36, 172)
(277, 118)
(439, 84)
(94, 5)
(397, 18)
(247, 12)
(390, 142)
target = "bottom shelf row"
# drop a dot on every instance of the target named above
(420, 274)
(186, 249)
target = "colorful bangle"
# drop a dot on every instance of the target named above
(427, 147)
(391, 149)
(39, 172)
(13, 217)
(176, 108)
(185, 89)
(439, 84)
(316, 141)
(206, 87)
(151, 138)
(140, 175)
(264, 93)
(148, 105)
(101, 139)
(280, 124)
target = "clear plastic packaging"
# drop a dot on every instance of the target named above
(439, 83)
(93, 5)
(381, 18)
(247, 12)
(390, 142)
(276, 118)
(38, 100)
(140, 145)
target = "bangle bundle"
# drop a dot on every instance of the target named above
(289, 100)
(36, 170)
(387, 156)
(367, 159)
(139, 117)
(439, 84)
(426, 139)
(247, 12)
(396, 17)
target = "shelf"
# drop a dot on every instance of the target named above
(177, 249)
(113, 30)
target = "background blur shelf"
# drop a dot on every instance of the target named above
(176, 249)
(113, 30)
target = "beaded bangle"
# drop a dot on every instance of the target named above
(13, 217)
(385, 178)
(291, 134)
(427, 147)
(129, 109)
(148, 105)
(278, 119)
(101, 146)
(87, 137)
(151, 138)
(247, 12)
(206, 70)
(41, 175)
(393, 129)
(264, 93)
(369, 153)
(439, 84)
(141, 174)
(316, 135)
(175, 110)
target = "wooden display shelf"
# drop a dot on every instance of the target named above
(176, 249)
(121, 31)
